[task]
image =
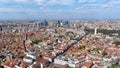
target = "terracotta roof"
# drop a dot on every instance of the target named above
(40, 60)
(88, 64)
(118, 52)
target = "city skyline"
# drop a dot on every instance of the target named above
(62, 9)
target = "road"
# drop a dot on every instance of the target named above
(69, 46)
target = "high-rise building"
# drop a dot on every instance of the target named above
(95, 31)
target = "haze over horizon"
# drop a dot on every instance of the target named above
(59, 9)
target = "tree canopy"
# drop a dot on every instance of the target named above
(35, 42)
(116, 42)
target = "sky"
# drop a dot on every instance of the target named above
(59, 9)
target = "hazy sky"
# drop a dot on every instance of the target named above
(59, 9)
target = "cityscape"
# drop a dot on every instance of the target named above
(60, 44)
(59, 34)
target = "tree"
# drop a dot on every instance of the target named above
(113, 65)
(104, 53)
(1, 66)
(36, 42)
(116, 42)
(104, 31)
(81, 47)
